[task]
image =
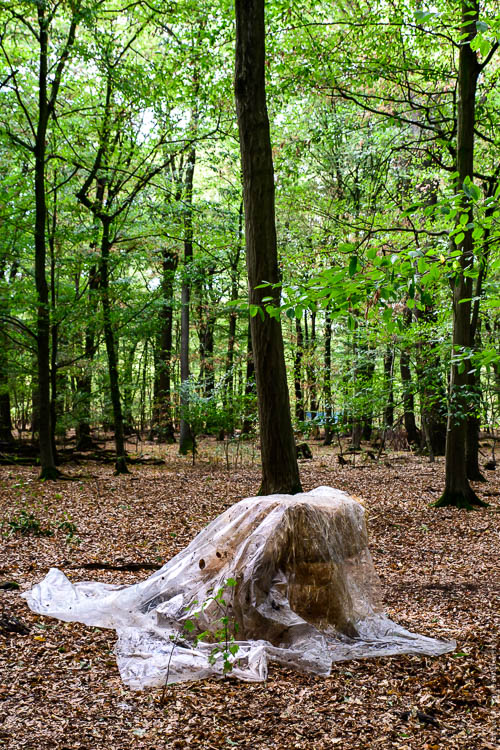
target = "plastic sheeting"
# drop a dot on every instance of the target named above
(306, 595)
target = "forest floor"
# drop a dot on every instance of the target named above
(59, 684)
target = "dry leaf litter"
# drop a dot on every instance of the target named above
(59, 683)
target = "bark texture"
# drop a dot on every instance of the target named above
(279, 463)
(458, 492)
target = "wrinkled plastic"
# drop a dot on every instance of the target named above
(306, 595)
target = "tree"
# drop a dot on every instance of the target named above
(279, 462)
(49, 75)
(457, 491)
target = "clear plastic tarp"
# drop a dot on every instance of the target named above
(304, 593)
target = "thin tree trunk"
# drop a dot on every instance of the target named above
(109, 338)
(457, 491)
(474, 473)
(163, 397)
(247, 425)
(48, 469)
(389, 387)
(5, 405)
(186, 438)
(412, 433)
(84, 381)
(233, 318)
(54, 330)
(297, 372)
(128, 389)
(327, 382)
(5, 411)
(431, 389)
(280, 471)
(311, 370)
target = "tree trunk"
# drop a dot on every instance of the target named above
(247, 425)
(364, 367)
(5, 416)
(431, 388)
(84, 381)
(280, 471)
(474, 473)
(311, 369)
(412, 433)
(233, 318)
(389, 387)
(54, 332)
(206, 331)
(109, 338)
(457, 491)
(297, 372)
(48, 469)
(186, 438)
(163, 397)
(327, 382)
(128, 389)
(5, 410)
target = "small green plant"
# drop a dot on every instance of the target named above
(27, 524)
(225, 628)
(67, 526)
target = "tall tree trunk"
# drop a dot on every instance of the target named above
(327, 382)
(431, 387)
(186, 438)
(474, 473)
(109, 338)
(249, 383)
(5, 406)
(84, 380)
(280, 472)
(163, 397)
(54, 330)
(297, 372)
(48, 469)
(389, 386)
(128, 389)
(206, 331)
(311, 369)
(412, 432)
(473, 421)
(364, 367)
(5, 411)
(233, 318)
(457, 491)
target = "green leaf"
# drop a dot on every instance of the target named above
(421, 265)
(459, 238)
(484, 47)
(353, 265)
(412, 209)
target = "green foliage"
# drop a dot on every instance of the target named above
(371, 218)
(27, 524)
(222, 629)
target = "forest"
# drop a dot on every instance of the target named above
(249, 248)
